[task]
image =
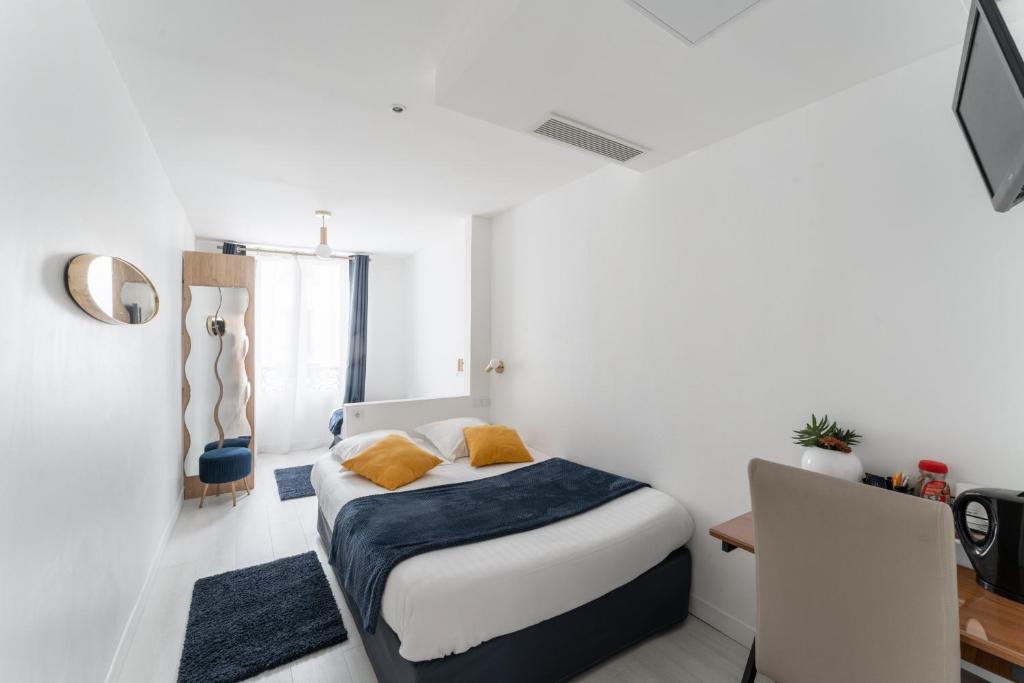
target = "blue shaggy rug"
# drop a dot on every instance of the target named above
(293, 482)
(253, 619)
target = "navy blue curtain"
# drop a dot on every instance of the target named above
(355, 376)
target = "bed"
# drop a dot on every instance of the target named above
(540, 605)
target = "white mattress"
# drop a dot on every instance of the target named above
(447, 601)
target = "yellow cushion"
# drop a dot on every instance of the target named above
(392, 462)
(492, 444)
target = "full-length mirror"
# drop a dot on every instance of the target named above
(111, 289)
(215, 368)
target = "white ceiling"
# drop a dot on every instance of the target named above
(605, 64)
(692, 21)
(263, 111)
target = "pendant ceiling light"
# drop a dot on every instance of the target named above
(323, 250)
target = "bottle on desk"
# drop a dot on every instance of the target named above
(931, 481)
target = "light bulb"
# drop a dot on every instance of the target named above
(323, 250)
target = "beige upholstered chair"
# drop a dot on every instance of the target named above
(854, 583)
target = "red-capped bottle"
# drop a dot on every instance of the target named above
(931, 480)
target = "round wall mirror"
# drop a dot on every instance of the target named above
(111, 289)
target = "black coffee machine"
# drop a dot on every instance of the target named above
(990, 523)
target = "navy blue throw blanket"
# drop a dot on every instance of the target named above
(373, 534)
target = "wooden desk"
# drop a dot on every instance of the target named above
(991, 626)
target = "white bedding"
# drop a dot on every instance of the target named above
(447, 601)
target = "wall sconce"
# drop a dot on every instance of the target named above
(496, 365)
(216, 326)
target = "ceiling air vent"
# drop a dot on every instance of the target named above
(572, 133)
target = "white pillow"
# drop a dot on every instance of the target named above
(425, 443)
(354, 445)
(447, 436)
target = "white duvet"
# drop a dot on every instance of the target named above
(447, 601)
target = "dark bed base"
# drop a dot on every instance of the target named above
(554, 650)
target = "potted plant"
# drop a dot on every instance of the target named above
(829, 449)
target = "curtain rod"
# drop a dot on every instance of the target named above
(268, 249)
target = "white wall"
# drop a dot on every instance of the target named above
(479, 296)
(439, 316)
(432, 298)
(387, 352)
(90, 414)
(844, 258)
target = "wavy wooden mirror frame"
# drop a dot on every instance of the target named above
(217, 270)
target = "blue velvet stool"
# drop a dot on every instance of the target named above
(242, 441)
(223, 465)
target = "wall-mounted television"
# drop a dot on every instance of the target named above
(989, 103)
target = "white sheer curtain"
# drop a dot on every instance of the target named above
(301, 316)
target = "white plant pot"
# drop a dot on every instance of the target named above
(833, 463)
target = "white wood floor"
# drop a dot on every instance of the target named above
(220, 538)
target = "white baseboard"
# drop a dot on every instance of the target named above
(731, 626)
(117, 662)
